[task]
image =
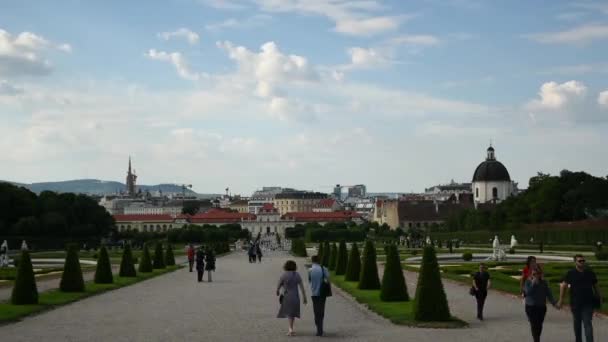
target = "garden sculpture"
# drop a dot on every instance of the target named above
(498, 253)
(513, 241)
(4, 254)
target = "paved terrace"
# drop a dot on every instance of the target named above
(240, 305)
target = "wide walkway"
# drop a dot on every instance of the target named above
(240, 305)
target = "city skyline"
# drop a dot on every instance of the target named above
(303, 94)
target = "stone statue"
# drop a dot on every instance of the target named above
(513, 241)
(4, 254)
(496, 242)
(428, 240)
(24, 246)
(498, 254)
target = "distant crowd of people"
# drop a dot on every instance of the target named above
(580, 281)
(204, 259)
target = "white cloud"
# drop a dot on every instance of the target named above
(366, 58)
(270, 68)
(557, 96)
(579, 35)
(182, 33)
(234, 23)
(420, 39)
(178, 61)
(602, 99)
(8, 89)
(225, 4)
(352, 17)
(20, 55)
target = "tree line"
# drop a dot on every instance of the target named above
(570, 196)
(23, 214)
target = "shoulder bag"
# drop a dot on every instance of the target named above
(325, 290)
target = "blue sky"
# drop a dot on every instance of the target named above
(399, 95)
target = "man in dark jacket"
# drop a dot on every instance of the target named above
(200, 263)
(584, 296)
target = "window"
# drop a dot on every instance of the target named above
(494, 192)
(476, 192)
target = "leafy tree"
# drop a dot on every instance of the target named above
(103, 273)
(393, 287)
(333, 257)
(71, 279)
(353, 268)
(430, 303)
(24, 290)
(127, 267)
(369, 271)
(169, 257)
(159, 259)
(342, 259)
(145, 264)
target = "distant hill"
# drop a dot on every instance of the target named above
(100, 187)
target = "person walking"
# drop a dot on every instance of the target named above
(251, 252)
(481, 283)
(290, 299)
(584, 297)
(190, 254)
(209, 263)
(525, 273)
(536, 293)
(200, 263)
(317, 276)
(258, 252)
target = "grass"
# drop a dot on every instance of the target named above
(502, 280)
(397, 312)
(54, 298)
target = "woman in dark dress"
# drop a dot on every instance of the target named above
(290, 304)
(258, 252)
(209, 262)
(481, 283)
(200, 264)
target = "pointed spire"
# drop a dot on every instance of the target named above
(129, 164)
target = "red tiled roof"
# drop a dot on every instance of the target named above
(336, 216)
(143, 217)
(326, 203)
(220, 216)
(268, 206)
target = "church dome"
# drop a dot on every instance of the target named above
(491, 170)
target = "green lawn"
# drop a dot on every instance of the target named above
(502, 279)
(397, 312)
(53, 298)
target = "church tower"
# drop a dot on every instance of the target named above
(131, 180)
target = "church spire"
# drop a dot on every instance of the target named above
(491, 155)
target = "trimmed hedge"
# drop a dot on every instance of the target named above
(326, 254)
(25, 291)
(103, 272)
(169, 257)
(298, 248)
(71, 279)
(320, 251)
(342, 259)
(394, 288)
(159, 259)
(467, 256)
(369, 271)
(353, 268)
(145, 265)
(333, 257)
(431, 303)
(127, 267)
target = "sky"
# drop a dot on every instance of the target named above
(398, 95)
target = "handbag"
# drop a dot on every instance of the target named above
(472, 291)
(325, 290)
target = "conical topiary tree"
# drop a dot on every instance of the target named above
(342, 259)
(103, 273)
(145, 264)
(430, 303)
(127, 269)
(71, 279)
(393, 287)
(320, 251)
(333, 257)
(353, 268)
(369, 271)
(25, 290)
(159, 259)
(169, 257)
(326, 254)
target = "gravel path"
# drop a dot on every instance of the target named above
(241, 305)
